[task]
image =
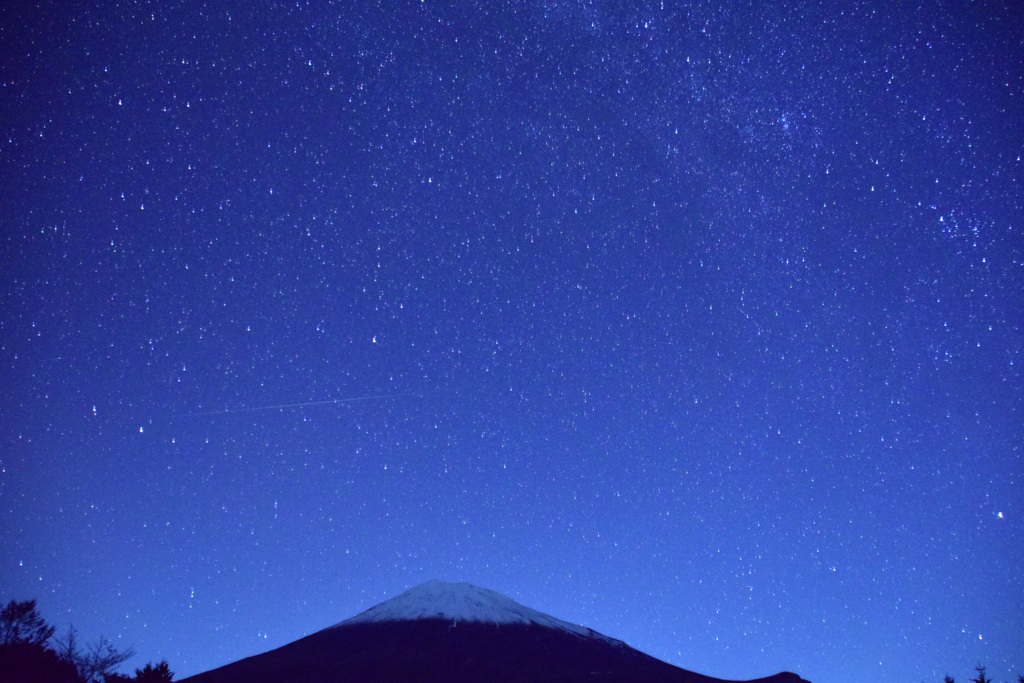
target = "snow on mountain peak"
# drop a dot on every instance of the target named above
(462, 602)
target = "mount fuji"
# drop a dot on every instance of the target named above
(455, 632)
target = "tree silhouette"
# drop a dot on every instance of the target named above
(24, 654)
(27, 656)
(161, 673)
(20, 623)
(96, 662)
(981, 675)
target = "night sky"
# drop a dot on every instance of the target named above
(697, 323)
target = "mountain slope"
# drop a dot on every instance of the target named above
(456, 633)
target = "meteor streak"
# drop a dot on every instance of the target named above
(284, 406)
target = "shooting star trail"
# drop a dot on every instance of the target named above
(285, 406)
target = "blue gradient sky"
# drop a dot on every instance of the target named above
(696, 323)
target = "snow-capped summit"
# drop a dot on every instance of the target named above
(462, 602)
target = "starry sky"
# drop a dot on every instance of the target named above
(697, 323)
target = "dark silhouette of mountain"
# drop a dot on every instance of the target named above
(454, 633)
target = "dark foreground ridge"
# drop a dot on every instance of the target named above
(451, 649)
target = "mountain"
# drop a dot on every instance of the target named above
(453, 633)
